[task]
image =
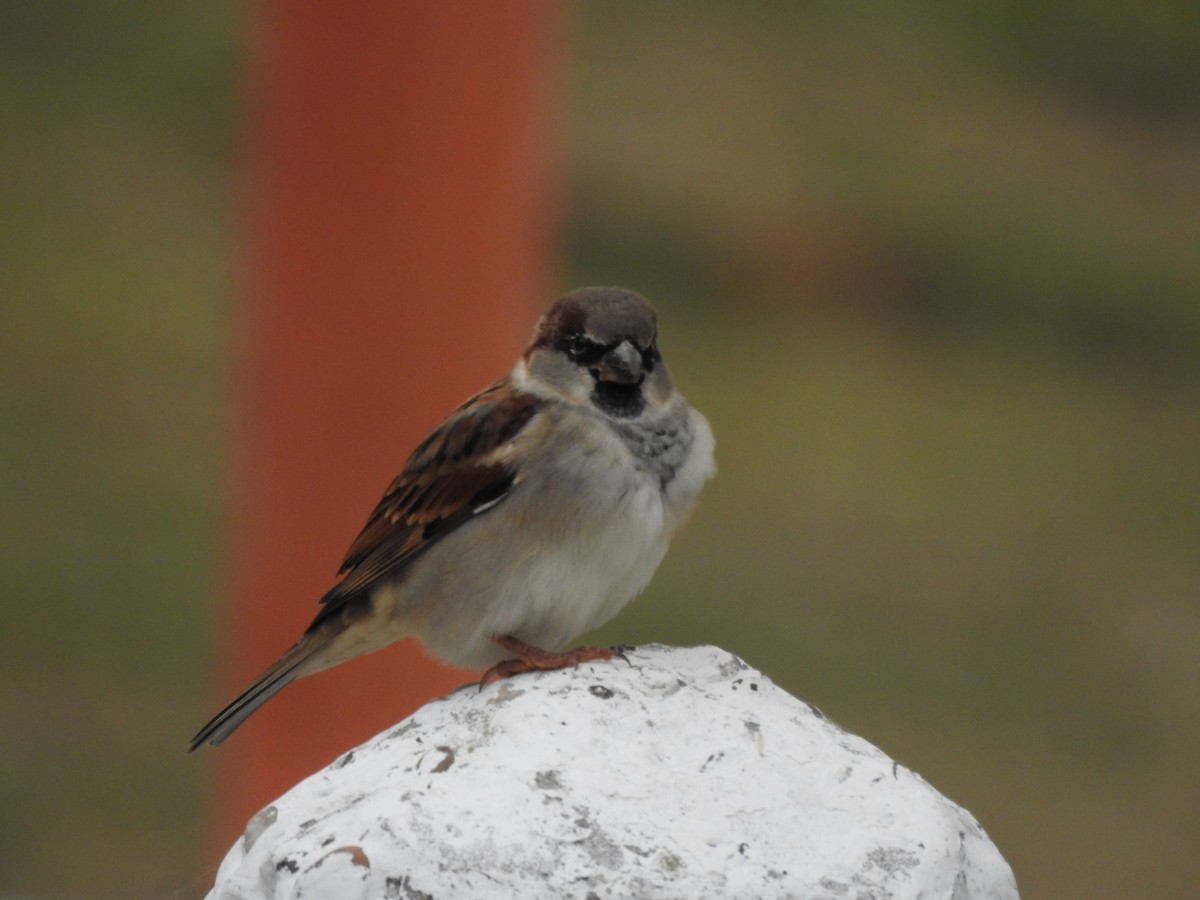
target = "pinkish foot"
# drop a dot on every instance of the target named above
(534, 659)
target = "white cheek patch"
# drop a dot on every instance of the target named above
(548, 374)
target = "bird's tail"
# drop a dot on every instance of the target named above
(283, 672)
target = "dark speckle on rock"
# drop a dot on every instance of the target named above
(286, 863)
(732, 666)
(835, 887)
(402, 889)
(506, 693)
(446, 762)
(892, 859)
(712, 758)
(602, 850)
(599, 690)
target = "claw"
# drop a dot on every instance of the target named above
(621, 649)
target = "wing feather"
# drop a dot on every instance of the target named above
(459, 471)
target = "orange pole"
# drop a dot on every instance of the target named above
(396, 229)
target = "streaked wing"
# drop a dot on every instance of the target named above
(458, 472)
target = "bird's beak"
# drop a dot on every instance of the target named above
(621, 365)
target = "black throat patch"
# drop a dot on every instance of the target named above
(621, 401)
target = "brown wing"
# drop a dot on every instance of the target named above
(455, 474)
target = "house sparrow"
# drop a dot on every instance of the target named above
(532, 514)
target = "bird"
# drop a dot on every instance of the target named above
(532, 514)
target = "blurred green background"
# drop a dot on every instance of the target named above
(931, 269)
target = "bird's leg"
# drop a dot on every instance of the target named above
(534, 659)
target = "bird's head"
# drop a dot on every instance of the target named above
(598, 346)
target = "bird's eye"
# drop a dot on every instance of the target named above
(580, 345)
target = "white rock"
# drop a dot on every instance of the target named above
(685, 774)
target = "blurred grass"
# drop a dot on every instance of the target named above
(115, 223)
(930, 270)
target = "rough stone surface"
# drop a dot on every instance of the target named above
(685, 774)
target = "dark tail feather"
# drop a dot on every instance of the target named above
(271, 682)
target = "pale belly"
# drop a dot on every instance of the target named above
(545, 591)
(553, 560)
